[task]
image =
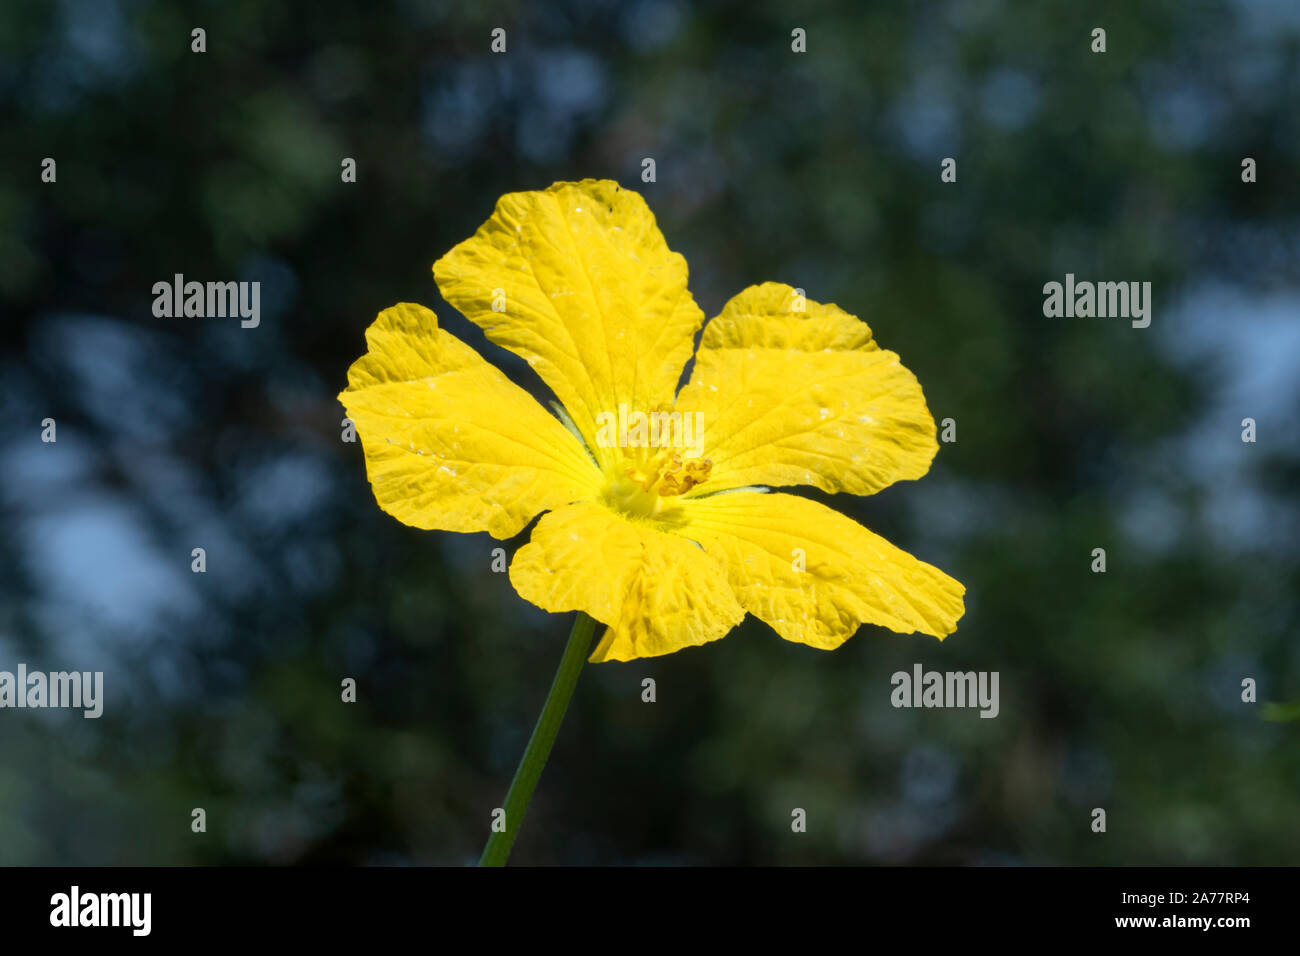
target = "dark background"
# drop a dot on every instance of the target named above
(1119, 690)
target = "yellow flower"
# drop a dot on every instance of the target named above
(664, 548)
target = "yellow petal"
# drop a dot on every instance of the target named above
(804, 398)
(656, 592)
(849, 575)
(587, 291)
(765, 316)
(451, 443)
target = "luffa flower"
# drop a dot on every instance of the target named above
(666, 551)
(665, 547)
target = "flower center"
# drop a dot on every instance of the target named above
(640, 482)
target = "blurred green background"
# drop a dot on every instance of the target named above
(1119, 690)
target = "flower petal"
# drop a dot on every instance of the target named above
(804, 398)
(850, 576)
(451, 443)
(656, 592)
(591, 295)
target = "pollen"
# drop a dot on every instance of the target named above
(666, 474)
(645, 482)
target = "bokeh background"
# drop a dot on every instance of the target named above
(1119, 690)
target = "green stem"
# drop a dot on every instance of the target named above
(539, 745)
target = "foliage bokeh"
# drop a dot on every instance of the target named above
(821, 169)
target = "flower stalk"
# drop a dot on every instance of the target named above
(539, 744)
